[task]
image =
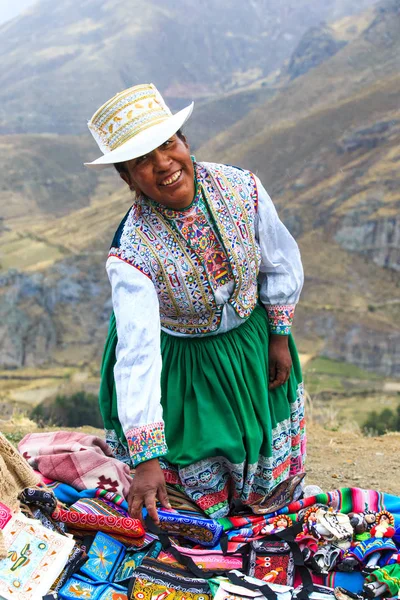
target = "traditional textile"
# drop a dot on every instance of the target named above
(124, 528)
(35, 558)
(199, 530)
(153, 579)
(347, 500)
(225, 590)
(212, 560)
(272, 562)
(68, 495)
(5, 516)
(152, 245)
(133, 560)
(43, 499)
(81, 460)
(15, 474)
(104, 557)
(98, 506)
(82, 587)
(390, 577)
(75, 561)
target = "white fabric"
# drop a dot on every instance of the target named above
(138, 367)
(281, 272)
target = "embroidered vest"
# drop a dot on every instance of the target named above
(147, 240)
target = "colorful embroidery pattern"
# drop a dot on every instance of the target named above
(178, 269)
(123, 527)
(280, 318)
(119, 450)
(104, 554)
(154, 580)
(195, 228)
(146, 442)
(209, 482)
(35, 558)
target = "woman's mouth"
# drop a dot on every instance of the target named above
(172, 178)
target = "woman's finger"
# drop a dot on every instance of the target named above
(150, 504)
(163, 496)
(135, 508)
(282, 376)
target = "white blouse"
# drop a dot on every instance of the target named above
(138, 365)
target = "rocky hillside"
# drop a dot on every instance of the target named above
(61, 60)
(323, 135)
(329, 153)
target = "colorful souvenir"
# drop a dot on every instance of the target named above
(376, 551)
(280, 522)
(104, 557)
(125, 528)
(272, 562)
(199, 530)
(133, 560)
(154, 579)
(35, 558)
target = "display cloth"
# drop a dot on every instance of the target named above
(87, 546)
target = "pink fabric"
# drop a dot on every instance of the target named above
(78, 459)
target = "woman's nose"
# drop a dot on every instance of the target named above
(161, 160)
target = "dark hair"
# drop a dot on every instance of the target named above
(121, 167)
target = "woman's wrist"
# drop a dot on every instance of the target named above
(148, 464)
(279, 340)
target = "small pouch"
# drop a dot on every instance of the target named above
(163, 580)
(271, 561)
(209, 560)
(132, 561)
(104, 558)
(127, 529)
(277, 558)
(197, 529)
(113, 592)
(81, 587)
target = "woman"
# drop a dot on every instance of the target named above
(197, 376)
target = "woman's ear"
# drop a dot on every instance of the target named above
(184, 140)
(125, 176)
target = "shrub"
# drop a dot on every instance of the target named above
(78, 409)
(382, 422)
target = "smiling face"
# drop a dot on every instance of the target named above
(166, 175)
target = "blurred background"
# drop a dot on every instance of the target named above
(304, 93)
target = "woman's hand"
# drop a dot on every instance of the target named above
(280, 362)
(147, 486)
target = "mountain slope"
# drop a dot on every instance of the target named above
(61, 60)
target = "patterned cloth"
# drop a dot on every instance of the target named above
(97, 515)
(80, 460)
(35, 558)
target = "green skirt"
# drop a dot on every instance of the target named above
(228, 436)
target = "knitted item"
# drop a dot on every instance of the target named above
(15, 474)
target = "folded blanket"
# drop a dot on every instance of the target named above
(78, 459)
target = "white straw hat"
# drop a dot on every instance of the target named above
(133, 123)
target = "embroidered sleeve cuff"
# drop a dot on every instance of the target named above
(280, 318)
(146, 442)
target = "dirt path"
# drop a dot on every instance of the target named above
(337, 459)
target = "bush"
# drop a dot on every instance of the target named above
(382, 422)
(69, 411)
